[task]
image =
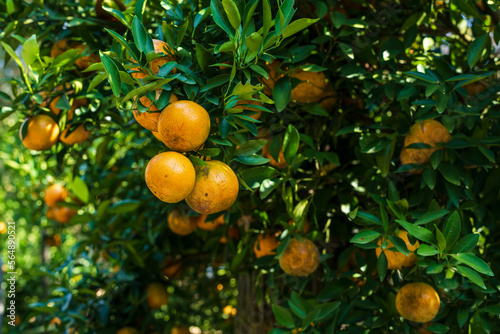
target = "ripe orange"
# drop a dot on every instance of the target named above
(50, 213)
(149, 119)
(3, 228)
(301, 258)
(42, 132)
(157, 295)
(181, 224)
(328, 99)
(155, 65)
(157, 135)
(417, 302)
(312, 87)
(171, 268)
(395, 259)
(265, 244)
(475, 88)
(180, 330)
(211, 225)
(55, 193)
(170, 176)
(55, 321)
(429, 132)
(77, 103)
(215, 190)
(281, 163)
(63, 214)
(64, 45)
(184, 126)
(257, 103)
(78, 135)
(127, 330)
(273, 76)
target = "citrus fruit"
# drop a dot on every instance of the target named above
(300, 258)
(281, 163)
(311, 88)
(475, 88)
(171, 268)
(181, 224)
(157, 135)
(429, 132)
(170, 176)
(50, 213)
(417, 302)
(273, 76)
(215, 190)
(127, 330)
(63, 214)
(58, 91)
(395, 259)
(184, 126)
(180, 330)
(211, 225)
(42, 132)
(65, 44)
(149, 119)
(53, 240)
(265, 245)
(78, 135)
(157, 295)
(3, 228)
(55, 193)
(55, 321)
(155, 65)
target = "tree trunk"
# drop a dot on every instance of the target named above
(253, 316)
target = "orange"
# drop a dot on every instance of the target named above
(265, 245)
(181, 224)
(55, 321)
(50, 213)
(77, 103)
(281, 163)
(63, 214)
(53, 241)
(184, 126)
(273, 76)
(3, 228)
(211, 225)
(180, 330)
(328, 99)
(127, 330)
(256, 103)
(55, 193)
(149, 119)
(157, 135)
(429, 132)
(170, 176)
(395, 259)
(155, 65)
(171, 268)
(215, 190)
(157, 295)
(301, 258)
(312, 87)
(42, 132)
(78, 135)
(64, 45)
(475, 88)
(417, 302)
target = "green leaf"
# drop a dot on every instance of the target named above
(254, 41)
(418, 232)
(440, 239)
(297, 26)
(450, 173)
(266, 18)
(300, 211)
(472, 275)
(441, 102)
(431, 216)
(422, 76)
(429, 176)
(113, 73)
(436, 158)
(124, 206)
(267, 187)
(400, 244)
(220, 17)
(426, 250)
(124, 43)
(142, 39)
(368, 217)
(282, 92)
(452, 229)
(283, 316)
(494, 309)
(79, 188)
(252, 160)
(382, 266)
(290, 143)
(476, 48)
(31, 51)
(134, 254)
(435, 268)
(438, 328)
(310, 317)
(250, 147)
(232, 13)
(474, 262)
(215, 82)
(489, 154)
(365, 236)
(466, 244)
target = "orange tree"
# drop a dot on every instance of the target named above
(307, 166)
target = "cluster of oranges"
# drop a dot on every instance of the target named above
(42, 130)
(54, 195)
